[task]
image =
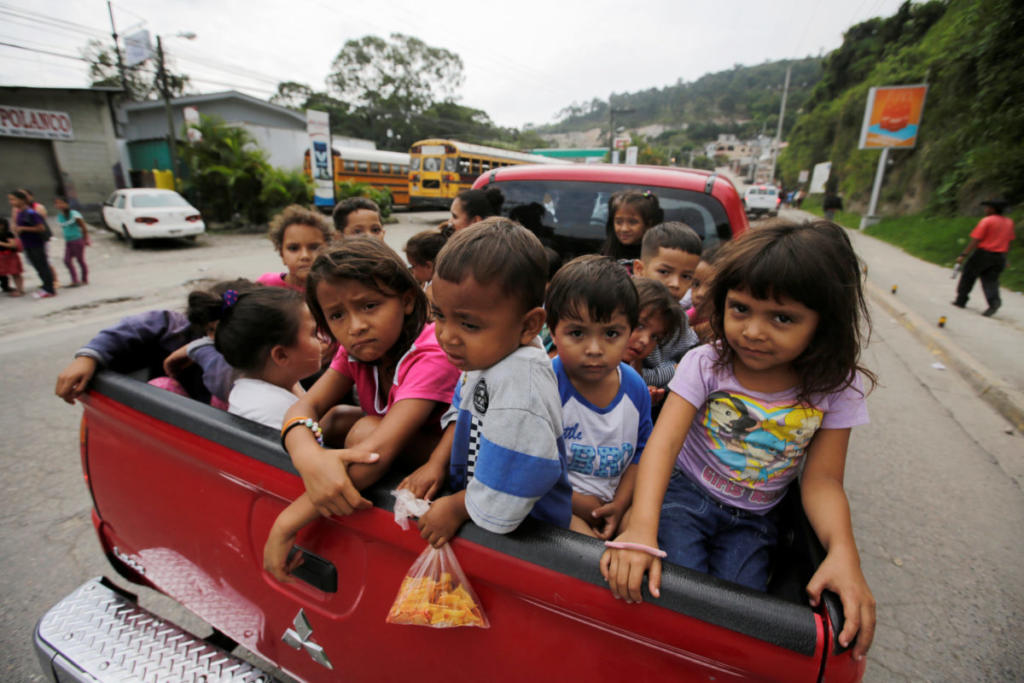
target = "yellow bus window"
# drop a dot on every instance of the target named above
(464, 166)
(362, 166)
(350, 165)
(415, 162)
(476, 167)
(374, 168)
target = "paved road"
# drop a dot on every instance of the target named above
(935, 511)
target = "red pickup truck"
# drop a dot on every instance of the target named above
(184, 495)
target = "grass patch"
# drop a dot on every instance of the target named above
(845, 218)
(936, 239)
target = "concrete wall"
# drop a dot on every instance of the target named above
(284, 147)
(83, 166)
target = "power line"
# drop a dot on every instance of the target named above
(45, 52)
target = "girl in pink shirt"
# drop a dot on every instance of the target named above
(297, 234)
(363, 296)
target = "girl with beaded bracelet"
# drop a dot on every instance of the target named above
(363, 296)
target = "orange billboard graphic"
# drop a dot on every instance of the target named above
(893, 116)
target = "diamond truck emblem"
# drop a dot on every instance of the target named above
(301, 638)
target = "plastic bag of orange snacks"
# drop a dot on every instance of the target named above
(436, 593)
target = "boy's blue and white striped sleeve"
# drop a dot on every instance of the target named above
(518, 463)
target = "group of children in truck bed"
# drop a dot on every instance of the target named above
(684, 389)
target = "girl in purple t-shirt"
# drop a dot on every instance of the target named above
(362, 296)
(774, 395)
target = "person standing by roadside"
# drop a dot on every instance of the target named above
(985, 256)
(47, 234)
(10, 262)
(30, 228)
(832, 203)
(76, 239)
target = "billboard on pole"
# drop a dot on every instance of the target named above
(320, 158)
(820, 177)
(137, 48)
(892, 116)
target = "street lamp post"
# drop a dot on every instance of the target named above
(612, 111)
(165, 90)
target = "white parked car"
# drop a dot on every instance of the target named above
(761, 199)
(145, 213)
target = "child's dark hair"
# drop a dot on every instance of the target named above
(297, 215)
(652, 294)
(372, 263)
(595, 283)
(671, 235)
(206, 306)
(343, 208)
(423, 247)
(497, 250)
(813, 263)
(646, 204)
(482, 203)
(5, 225)
(255, 323)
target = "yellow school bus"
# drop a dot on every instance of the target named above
(440, 169)
(374, 167)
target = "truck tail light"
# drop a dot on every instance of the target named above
(415, 177)
(194, 217)
(148, 220)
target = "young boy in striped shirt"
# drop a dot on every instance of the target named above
(502, 448)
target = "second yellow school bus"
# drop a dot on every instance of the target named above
(439, 169)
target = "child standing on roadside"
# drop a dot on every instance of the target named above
(592, 307)
(363, 296)
(76, 239)
(631, 213)
(269, 337)
(297, 233)
(358, 216)
(10, 262)
(776, 396)
(502, 446)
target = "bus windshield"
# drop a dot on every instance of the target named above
(431, 164)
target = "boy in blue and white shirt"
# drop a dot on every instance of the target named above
(592, 307)
(502, 448)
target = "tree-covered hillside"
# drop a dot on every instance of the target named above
(971, 142)
(743, 100)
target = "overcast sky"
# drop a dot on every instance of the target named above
(524, 60)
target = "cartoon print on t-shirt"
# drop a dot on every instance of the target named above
(758, 442)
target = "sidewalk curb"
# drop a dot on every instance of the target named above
(1006, 401)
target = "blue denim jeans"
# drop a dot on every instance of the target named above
(700, 533)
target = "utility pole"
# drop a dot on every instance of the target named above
(166, 91)
(612, 111)
(778, 133)
(117, 50)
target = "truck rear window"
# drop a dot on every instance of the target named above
(570, 216)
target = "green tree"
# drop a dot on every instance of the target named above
(140, 80)
(228, 175)
(389, 84)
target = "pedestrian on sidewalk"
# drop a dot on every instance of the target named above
(986, 256)
(10, 262)
(833, 202)
(30, 228)
(76, 239)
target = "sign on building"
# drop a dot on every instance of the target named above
(320, 159)
(20, 122)
(632, 152)
(893, 116)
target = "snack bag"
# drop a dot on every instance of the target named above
(435, 592)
